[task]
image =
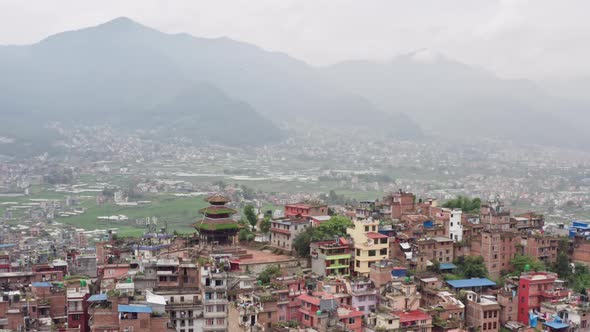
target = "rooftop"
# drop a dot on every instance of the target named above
(469, 283)
(411, 316)
(135, 308)
(372, 235)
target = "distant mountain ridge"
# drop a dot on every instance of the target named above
(121, 68)
(453, 99)
(229, 92)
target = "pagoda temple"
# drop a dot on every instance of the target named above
(217, 225)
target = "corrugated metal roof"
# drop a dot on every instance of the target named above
(468, 283)
(97, 297)
(447, 266)
(41, 284)
(135, 308)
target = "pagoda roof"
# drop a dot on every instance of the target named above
(217, 209)
(216, 224)
(217, 199)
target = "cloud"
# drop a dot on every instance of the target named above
(514, 38)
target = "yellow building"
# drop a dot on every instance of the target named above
(369, 246)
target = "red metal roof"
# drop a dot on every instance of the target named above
(411, 316)
(309, 299)
(373, 235)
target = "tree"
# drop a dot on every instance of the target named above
(519, 262)
(464, 203)
(471, 267)
(269, 273)
(265, 225)
(245, 235)
(336, 226)
(250, 214)
(562, 266)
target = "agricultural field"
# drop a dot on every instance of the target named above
(177, 213)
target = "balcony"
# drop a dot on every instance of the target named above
(214, 328)
(214, 301)
(555, 294)
(280, 230)
(214, 314)
(214, 287)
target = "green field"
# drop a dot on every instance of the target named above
(178, 212)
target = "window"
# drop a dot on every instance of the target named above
(220, 321)
(351, 321)
(269, 314)
(383, 251)
(366, 228)
(182, 299)
(306, 317)
(495, 325)
(371, 253)
(358, 252)
(358, 264)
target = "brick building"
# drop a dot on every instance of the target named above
(497, 248)
(284, 231)
(482, 312)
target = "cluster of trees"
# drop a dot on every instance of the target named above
(251, 220)
(336, 226)
(471, 267)
(269, 273)
(464, 203)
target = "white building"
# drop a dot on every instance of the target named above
(455, 226)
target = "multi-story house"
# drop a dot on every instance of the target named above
(369, 246)
(77, 292)
(400, 202)
(497, 248)
(214, 291)
(284, 231)
(529, 220)
(482, 312)
(456, 225)
(494, 215)
(414, 320)
(438, 249)
(364, 296)
(402, 296)
(305, 210)
(544, 248)
(331, 258)
(534, 288)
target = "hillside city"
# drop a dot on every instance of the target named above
(143, 236)
(294, 166)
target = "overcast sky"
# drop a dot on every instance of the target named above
(513, 38)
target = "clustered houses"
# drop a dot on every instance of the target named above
(387, 273)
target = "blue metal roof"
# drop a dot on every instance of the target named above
(7, 245)
(447, 266)
(41, 284)
(135, 308)
(556, 325)
(97, 297)
(469, 283)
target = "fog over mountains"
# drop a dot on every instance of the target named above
(224, 91)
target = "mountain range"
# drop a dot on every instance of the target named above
(228, 92)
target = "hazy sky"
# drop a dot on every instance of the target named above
(514, 38)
